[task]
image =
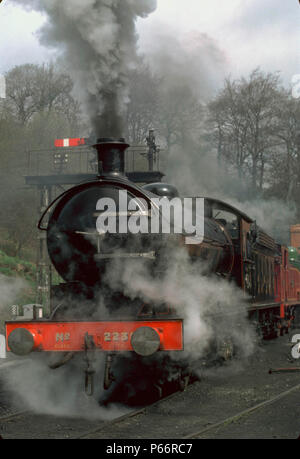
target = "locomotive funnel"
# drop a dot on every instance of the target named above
(111, 156)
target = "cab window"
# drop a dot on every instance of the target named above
(228, 220)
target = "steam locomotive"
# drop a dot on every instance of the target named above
(231, 246)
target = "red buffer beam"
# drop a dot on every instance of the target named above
(25, 337)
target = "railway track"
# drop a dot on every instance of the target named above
(16, 422)
(25, 424)
(248, 400)
(128, 416)
(34, 425)
(85, 431)
(237, 417)
(11, 416)
(117, 432)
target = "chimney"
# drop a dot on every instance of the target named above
(295, 236)
(111, 156)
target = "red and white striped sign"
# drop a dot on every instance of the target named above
(69, 142)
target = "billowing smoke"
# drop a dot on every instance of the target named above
(10, 289)
(194, 60)
(58, 392)
(98, 41)
(214, 310)
(197, 61)
(272, 215)
(204, 176)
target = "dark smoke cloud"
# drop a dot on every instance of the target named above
(194, 59)
(98, 41)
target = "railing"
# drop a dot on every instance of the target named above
(83, 159)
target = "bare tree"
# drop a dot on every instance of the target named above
(18, 214)
(243, 122)
(142, 110)
(39, 108)
(285, 164)
(229, 127)
(33, 89)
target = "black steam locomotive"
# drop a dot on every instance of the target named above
(81, 253)
(84, 254)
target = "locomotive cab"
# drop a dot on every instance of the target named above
(237, 226)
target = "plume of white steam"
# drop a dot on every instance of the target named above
(212, 308)
(273, 215)
(10, 288)
(98, 41)
(58, 392)
(204, 176)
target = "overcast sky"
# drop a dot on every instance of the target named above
(249, 33)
